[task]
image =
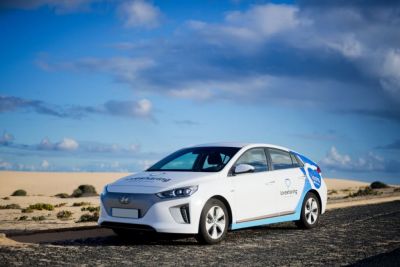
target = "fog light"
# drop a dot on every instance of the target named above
(185, 213)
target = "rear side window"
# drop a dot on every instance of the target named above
(281, 159)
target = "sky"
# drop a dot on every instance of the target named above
(97, 85)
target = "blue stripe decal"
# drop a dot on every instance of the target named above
(312, 174)
(291, 217)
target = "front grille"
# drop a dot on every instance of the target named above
(185, 213)
(141, 202)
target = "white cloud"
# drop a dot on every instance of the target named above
(347, 45)
(139, 13)
(135, 109)
(250, 27)
(46, 144)
(390, 80)
(334, 160)
(143, 108)
(145, 164)
(124, 68)
(266, 19)
(192, 93)
(6, 138)
(4, 165)
(45, 164)
(67, 144)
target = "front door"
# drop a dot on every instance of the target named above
(254, 193)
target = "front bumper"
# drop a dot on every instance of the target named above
(163, 216)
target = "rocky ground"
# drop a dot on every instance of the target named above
(363, 235)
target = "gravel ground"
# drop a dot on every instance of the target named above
(364, 235)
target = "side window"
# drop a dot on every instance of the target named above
(280, 159)
(296, 162)
(255, 157)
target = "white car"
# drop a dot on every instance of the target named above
(207, 190)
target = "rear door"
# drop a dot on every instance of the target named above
(254, 193)
(289, 180)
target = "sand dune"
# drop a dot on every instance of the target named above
(340, 184)
(51, 183)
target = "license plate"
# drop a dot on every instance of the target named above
(125, 213)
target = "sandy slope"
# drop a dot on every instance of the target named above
(51, 183)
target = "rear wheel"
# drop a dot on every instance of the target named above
(214, 222)
(310, 212)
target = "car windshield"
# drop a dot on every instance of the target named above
(196, 159)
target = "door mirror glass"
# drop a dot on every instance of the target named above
(244, 168)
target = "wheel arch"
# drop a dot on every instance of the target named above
(315, 192)
(226, 203)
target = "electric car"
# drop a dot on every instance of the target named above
(207, 190)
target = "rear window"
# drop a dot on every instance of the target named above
(282, 159)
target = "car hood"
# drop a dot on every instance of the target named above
(154, 182)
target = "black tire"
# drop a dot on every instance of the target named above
(310, 212)
(208, 236)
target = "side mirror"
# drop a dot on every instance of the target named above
(243, 168)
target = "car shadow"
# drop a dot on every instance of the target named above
(134, 239)
(146, 238)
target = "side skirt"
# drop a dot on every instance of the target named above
(293, 216)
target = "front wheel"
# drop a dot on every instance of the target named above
(310, 212)
(214, 222)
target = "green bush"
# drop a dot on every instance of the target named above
(397, 189)
(27, 210)
(62, 195)
(378, 185)
(40, 206)
(84, 190)
(60, 205)
(363, 192)
(64, 215)
(6, 198)
(38, 218)
(91, 209)
(79, 204)
(89, 217)
(23, 218)
(10, 207)
(19, 193)
(331, 192)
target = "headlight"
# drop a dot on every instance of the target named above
(104, 192)
(179, 192)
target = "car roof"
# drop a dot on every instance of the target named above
(241, 145)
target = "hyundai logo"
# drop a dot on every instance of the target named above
(124, 200)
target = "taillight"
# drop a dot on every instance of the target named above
(318, 169)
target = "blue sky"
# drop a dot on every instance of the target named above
(96, 85)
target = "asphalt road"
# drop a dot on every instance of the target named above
(364, 236)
